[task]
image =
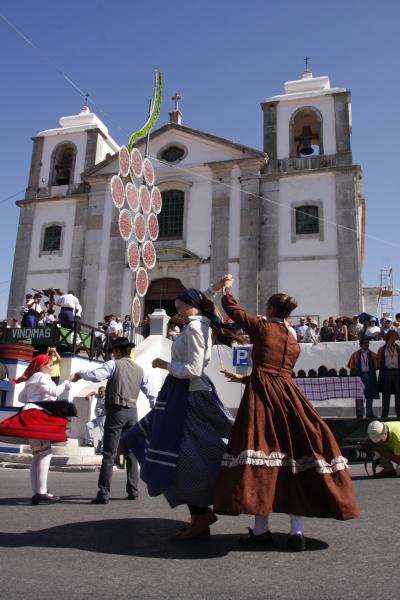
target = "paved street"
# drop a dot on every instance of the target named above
(122, 550)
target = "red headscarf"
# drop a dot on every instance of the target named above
(34, 366)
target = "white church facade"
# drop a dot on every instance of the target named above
(289, 218)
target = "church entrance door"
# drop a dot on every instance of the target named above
(162, 294)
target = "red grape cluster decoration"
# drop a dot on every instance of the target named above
(139, 202)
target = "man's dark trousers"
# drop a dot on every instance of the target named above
(118, 419)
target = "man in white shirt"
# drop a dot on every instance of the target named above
(69, 304)
(125, 379)
(311, 334)
(301, 329)
(100, 415)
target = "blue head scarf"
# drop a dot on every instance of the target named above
(195, 298)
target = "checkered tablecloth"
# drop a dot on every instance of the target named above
(328, 388)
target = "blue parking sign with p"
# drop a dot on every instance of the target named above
(241, 356)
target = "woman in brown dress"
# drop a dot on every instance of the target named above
(281, 456)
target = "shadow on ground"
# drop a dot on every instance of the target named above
(137, 537)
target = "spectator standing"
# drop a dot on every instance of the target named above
(100, 416)
(69, 305)
(365, 364)
(301, 329)
(127, 327)
(24, 309)
(326, 332)
(120, 328)
(388, 361)
(54, 364)
(50, 318)
(373, 332)
(112, 327)
(311, 335)
(100, 338)
(15, 323)
(340, 331)
(386, 327)
(355, 329)
(34, 311)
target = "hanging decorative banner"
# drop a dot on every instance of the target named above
(124, 162)
(132, 196)
(136, 311)
(117, 191)
(136, 163)
(125, 224)
(139, 227)
(148, 172)
(149, 255)
(133, 256)
(142, 282)
(144, 197)
(141, 198)
(156, 200)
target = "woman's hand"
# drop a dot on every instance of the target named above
(233, 377)
(224, 281)
(74, 377)
(159, 363)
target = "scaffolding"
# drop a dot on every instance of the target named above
(386, 293)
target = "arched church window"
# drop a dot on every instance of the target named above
(171, 217)
(63, 164)
(52, 238)
(307, 220)
(306, 133)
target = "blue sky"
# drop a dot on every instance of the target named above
(224, 57)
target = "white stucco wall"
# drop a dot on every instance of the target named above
(198, 215)
(307, 189)
(285, 110)
(315, 285)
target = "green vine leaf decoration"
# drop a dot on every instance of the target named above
(155, 112)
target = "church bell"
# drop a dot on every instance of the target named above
(306, 136)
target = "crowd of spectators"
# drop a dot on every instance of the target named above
(344, 329)
(323, 372)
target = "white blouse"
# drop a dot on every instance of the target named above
(191, 353)
(40, 388)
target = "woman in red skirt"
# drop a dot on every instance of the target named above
(281, 455)
(35, 424)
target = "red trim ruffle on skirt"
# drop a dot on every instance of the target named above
(35, 424)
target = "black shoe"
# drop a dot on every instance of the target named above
(44, 499)
(372, 417)
(88, 445)
(296, 543)
(132, 497)
(252, 540)
(99, 500)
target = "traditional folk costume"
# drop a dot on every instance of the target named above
(365, 363)
(180, 443)
(388, 361)
(37, 423)
(281, 456)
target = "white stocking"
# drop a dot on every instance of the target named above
(261, 524)
(296, 525)
(42, 454)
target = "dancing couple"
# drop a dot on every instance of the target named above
(281, 456)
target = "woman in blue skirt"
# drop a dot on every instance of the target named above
(180, 443)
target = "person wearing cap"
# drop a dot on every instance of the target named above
(386, 439)
(387, 326)
(311, 334)
(388, 361)
(34, 312)
(36, 424)
(373, 331)
(364, 362)
(355, 329)
(125, 380)
(24, 309)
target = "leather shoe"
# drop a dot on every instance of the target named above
(43, 499)
(296, 543)
(132, 497)
(99, 500)
(202, 535)
(199, 526)
(386, 473)
(252, 540)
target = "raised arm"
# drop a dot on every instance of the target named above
(239, 316)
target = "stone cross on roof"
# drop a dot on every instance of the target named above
(176, 116)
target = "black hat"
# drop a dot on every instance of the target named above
(122, 342)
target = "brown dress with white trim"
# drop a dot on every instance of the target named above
(281, 456)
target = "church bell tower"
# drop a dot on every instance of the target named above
(311, 222)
